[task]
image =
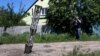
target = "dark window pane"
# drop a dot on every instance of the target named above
(45, 10)
(42, 11)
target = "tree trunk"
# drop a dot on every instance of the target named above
(4, 30)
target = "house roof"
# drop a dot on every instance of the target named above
(30, 7)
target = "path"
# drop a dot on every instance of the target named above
(47, 49)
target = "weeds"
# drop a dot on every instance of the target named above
(22, 38)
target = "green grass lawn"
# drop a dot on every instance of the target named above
(22, 38)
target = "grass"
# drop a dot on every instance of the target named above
(64, 37)
(77, 52)
(22, 38)
(85, 37)
(53, 38)
(6, 39)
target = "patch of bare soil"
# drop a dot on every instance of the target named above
(47, 49)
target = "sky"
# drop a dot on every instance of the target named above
(16, 3)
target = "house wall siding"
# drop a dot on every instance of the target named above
(43, 3)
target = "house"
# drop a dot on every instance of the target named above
(42, 21)
(44, 4)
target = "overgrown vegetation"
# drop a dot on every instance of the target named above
(8, 16)
(6, 38)
(22, 38)
(61, 12)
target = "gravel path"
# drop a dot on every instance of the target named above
(47, 49)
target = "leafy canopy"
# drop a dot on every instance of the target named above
(8, 17)
(61, 12)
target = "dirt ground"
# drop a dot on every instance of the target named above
(48, 49)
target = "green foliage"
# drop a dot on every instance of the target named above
(22, 38)
(61, 12)
(8, 39)
(53, 38)
(85, 37)
(8, 17)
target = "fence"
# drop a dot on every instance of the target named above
(40, 30)
(21, 29)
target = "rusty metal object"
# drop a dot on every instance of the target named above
(33, 28)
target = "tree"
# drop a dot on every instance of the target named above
(8, 17)
(61, 12)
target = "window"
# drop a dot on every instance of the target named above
(43, 11)
(32, 11)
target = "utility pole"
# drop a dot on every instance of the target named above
(33, 28)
